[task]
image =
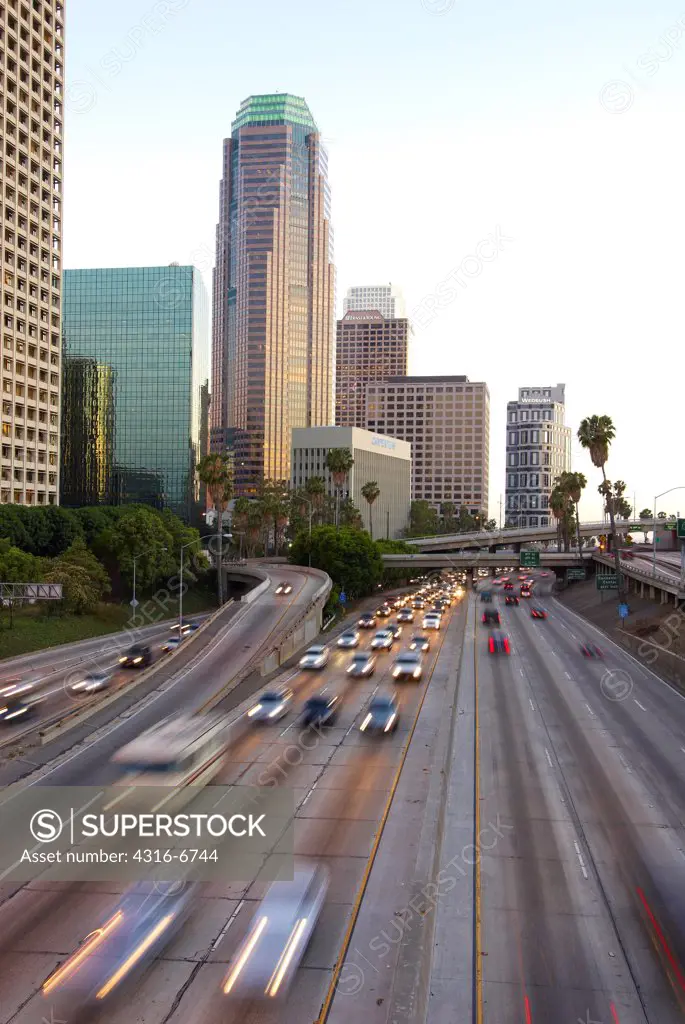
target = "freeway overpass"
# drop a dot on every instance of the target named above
(526, 535)
(480, 559)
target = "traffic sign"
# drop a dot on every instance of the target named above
(343, 597)
(623, 611)
(680, 529)
(577, 572)
(607, 581)
(530, 558)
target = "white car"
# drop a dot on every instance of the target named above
(91, 682)
(350, 638)
(272, 705)
(407, 666)
(172, 644)
(433, 621)
(284, 588)
(315, 657)
(383, 640)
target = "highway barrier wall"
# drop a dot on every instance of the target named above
(657, 657)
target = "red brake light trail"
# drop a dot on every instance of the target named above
(662, 939)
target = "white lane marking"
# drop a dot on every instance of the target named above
(641, 706)
(532, 706)
(624, 763)
(549, 759)
(590, 711)
(222, 933)
(582, 862)
(521, 671)
(308, 795)
(568, 675)
(683, 749)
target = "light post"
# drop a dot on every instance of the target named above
(241, 534)
(180, 589)
(306, 501)
(134, 601)
(656, 497)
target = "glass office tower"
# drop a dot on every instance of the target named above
(135, 394)
(273, 315)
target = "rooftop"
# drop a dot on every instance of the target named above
(274, 108)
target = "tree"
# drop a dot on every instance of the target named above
(448, 513)
(646, 513)
(315, 491)
(138, 533)
(572, 485)
(349, 515)
(423, 520)
(661, 515)
(595, 435)
(214, 471)
(80, 555)
(370, 492)
(339, 462)
(17, 566)
(395, 547)
(80, 593)
(350, 557)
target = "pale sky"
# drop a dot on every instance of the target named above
(555, 128)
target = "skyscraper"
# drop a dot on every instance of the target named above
(273, 296)
(31, 97)
(136, 354)
(387, 299)
(538, 450)
(447, 422)
(368, 347)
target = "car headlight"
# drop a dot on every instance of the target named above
(122, 660)
(417, 673)
(136, 661)
(396, 672)
(277, 710)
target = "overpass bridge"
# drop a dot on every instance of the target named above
(481, 560)
(514, 538)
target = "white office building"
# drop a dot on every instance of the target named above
(387, 460)
(538, 451)
(386, 298)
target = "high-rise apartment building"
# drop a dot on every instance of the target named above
(368, 347)
(447, 422)
(538, 450)
(31, 117)
(386, 299)
(135, 394)
(273, 302)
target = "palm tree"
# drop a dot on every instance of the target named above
(315, 491)
(557, 504)
(214, 471)
(596, 433)
(339, 462)
(370, 491)
(572, 485)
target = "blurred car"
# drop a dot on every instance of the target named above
(363, 664)
(383, 640)
(395, 629)
(398, 603)
(498, 643)
(135, 931)
(419, 642)
(491, 617)
(508, 586)
(350, 638)
(591, 650)
(407, 666)
(321, 709)
(272, 705)
(544, 574)
(185, 628)
(521, 578)
(91, 682)
(367, 620)
(432, 620)
(172, 644)
(14, 709)
(486, 595)
(137, 656)
(419, 604)
(511, 599)
(382, 714)
(284, 588)
(315, 657)
(384, 612)
(405, 615)
(12, 686)
(526, 592)
(266, 963)
(538, 613)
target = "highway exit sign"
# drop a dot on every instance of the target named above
(577, 572)
(607, 581)
(680, 529)
(530, 558)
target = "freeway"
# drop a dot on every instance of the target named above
(342, 782)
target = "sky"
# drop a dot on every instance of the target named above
(516, 168)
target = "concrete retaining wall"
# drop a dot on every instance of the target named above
(660, 660)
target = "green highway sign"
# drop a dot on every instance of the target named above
(530, 558)
(607, 581)
(680, 529)
(576, 573)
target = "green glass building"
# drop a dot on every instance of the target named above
(135, 387)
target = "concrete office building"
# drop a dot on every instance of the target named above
(273, 292)
(369, 347)
(31, 118)
(386, 460)
(135, 395)
(386, 299)
(538, 451)
(447, 422)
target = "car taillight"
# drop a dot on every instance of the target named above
(506, 646)
(491, 645)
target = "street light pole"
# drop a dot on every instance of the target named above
(656, 497)
(180, 589)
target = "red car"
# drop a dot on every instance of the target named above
(544, 574)
(498, 643)
(591, 650)
(538, 613)
(508, 586)
(511, 599)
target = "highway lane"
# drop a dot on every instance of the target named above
(341, 781)
(577, 901)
